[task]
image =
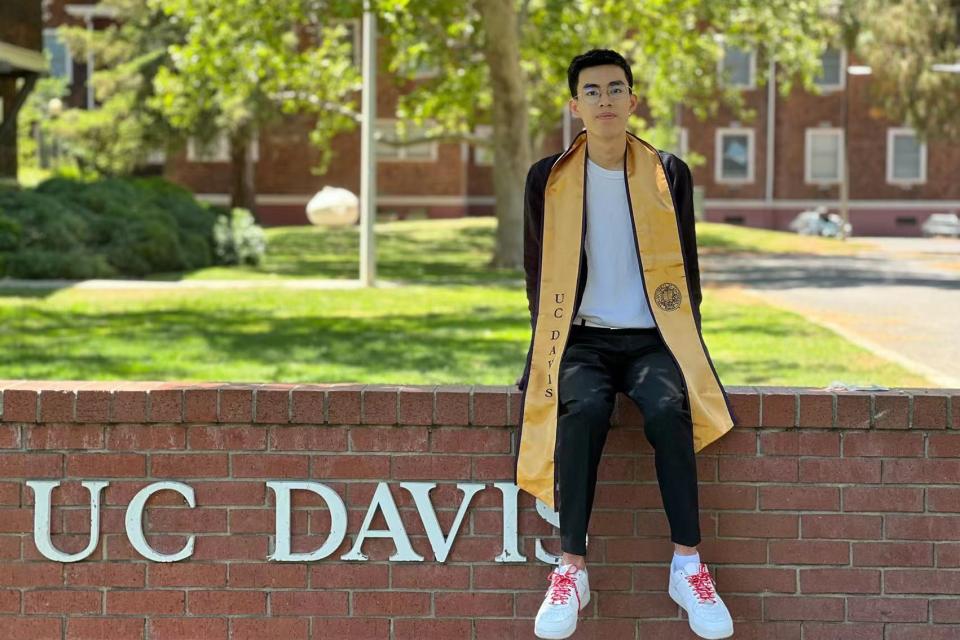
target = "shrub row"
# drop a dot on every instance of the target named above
(118, 227)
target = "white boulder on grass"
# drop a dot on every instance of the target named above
(333, 206)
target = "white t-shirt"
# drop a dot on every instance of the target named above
(613, 295)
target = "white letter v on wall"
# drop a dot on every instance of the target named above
(421, 497)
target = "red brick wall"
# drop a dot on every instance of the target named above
(824, 515)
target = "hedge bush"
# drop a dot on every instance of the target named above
(118, 227)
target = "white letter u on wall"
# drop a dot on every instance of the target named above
(42, 491)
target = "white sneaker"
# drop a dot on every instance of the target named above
(568, 593)
(692, 587)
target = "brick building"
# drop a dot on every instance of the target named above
(758, 173)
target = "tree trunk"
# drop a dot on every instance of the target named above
(511, 139)
(242, 187)
(8, 133)
(14, 101)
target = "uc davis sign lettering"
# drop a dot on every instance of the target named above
(382, 501)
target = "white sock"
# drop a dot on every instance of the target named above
(563, 566)
(679, 561)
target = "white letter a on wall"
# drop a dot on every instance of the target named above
(383, 500)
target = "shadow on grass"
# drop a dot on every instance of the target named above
(779, 272)
(477, 344)
(29, 292)
(422, 255)
(178, 344)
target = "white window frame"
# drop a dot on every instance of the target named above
(421, 72)
(752, 84)
(483, 131)
(69, 61)
(892, 132)
(825, 86)
(718, 155)
(426, 72)
(156, 157)
(219, 149)
(403, 150)
(812, 132)
(357, 53)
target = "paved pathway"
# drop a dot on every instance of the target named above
(901, 299)
(279, 283)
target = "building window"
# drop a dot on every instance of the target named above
(419, 152)
(833, 63)
(823, 158)
(906, 157)
(61, 62)
(418, 69)
(734, 156)
(352, 37)
(426, 70)
(483, 155)
(156, 157)
(218, 150)
(738, 67)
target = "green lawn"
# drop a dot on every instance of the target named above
(443, 252)
(454, 251)
(462, 324)
(416, 335)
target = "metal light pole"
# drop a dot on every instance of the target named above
(851, 70)
(89, 12)
(844, 172)
(368, 151)
(90, 64)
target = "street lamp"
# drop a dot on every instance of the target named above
(368, 149)
(852, 70)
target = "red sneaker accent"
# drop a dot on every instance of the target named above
(560, 586)
(702, 584)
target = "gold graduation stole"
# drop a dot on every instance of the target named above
(662, 264)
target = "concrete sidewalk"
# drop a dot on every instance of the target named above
(900, 300)
(279, 283)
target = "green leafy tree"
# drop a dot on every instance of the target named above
(117, 136)
(503, 62)
(904, 42)
(170, 70)
(244, 63)
(35, 123)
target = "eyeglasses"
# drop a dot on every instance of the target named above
(617, 92)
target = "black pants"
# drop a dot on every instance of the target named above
(595, 365)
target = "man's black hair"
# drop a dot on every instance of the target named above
(595, 58)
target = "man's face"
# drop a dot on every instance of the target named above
(609, 115)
